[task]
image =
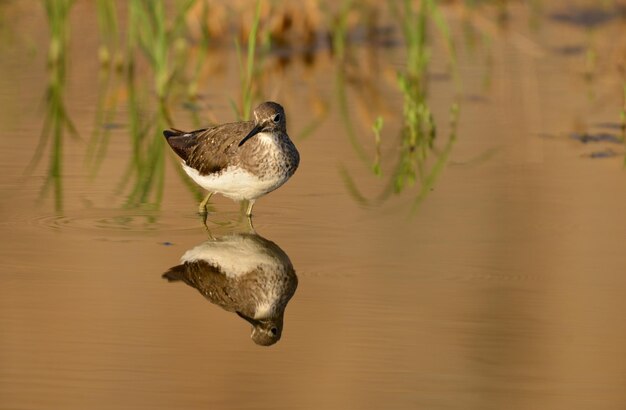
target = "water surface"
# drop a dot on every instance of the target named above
(502, 289)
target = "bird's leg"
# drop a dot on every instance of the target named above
(202, 206)
(208, 230)
(250, 205)
(250, 226)
(204, 217)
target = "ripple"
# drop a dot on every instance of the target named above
(118, 221)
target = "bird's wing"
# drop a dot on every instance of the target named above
(182, 142)
(214, 148)
(210, 282)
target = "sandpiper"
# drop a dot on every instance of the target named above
(240, 160)
(245, 274)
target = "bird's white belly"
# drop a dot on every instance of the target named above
(235, 183)
(235, 256)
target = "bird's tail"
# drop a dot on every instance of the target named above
(172, 133)
(180, 141)
(175, 273)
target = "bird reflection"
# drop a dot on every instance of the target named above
(243, 273)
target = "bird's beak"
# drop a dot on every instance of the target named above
(250, 320)
(255, 130)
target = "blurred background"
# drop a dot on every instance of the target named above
(455, 223)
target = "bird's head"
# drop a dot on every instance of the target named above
(268, 117)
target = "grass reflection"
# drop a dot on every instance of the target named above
(355, 43)
(419, 160)
(158, 43)
(154, 37)
(167, 48)
(622, 114)
(146, 169)
(109, 29)
(56, 119)
(248, 71)
(149, 31)
(107, 107)
(159, 37)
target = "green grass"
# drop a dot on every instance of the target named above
(376, 129)
(247, 71)
(109, 27)
(203, 51)
(622, 113)
(157, 36)
(111, 63)
(144, 179)
(57, 120)
(622, 116)
(419, 160)
(106, 112)
(338, 24)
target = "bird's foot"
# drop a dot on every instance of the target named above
(203, 208)
(249, 210)
(250, 225)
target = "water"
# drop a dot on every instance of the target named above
(503, 290)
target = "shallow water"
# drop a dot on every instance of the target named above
(504, 289)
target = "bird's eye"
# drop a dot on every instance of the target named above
(274, 331)
(276, 118)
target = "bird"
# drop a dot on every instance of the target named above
(243, 273)
(240, 160)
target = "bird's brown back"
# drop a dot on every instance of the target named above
(209, 150)
(228, 293)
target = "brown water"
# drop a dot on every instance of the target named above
(504, 290)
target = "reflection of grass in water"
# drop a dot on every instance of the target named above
(376, 129)
(339, 29)
(622, 114)
(419, 131)
(108, 25)
(344, 112)
(591, 57)
(203, 50)
(159, 42)
(146, 168)
(106, 109)
(56, 120)
(105, 113)
(149, 32)
(247, 73)
(429, 178)
(339, 38)
(427, 169)
(308, 129)
(159, 38)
